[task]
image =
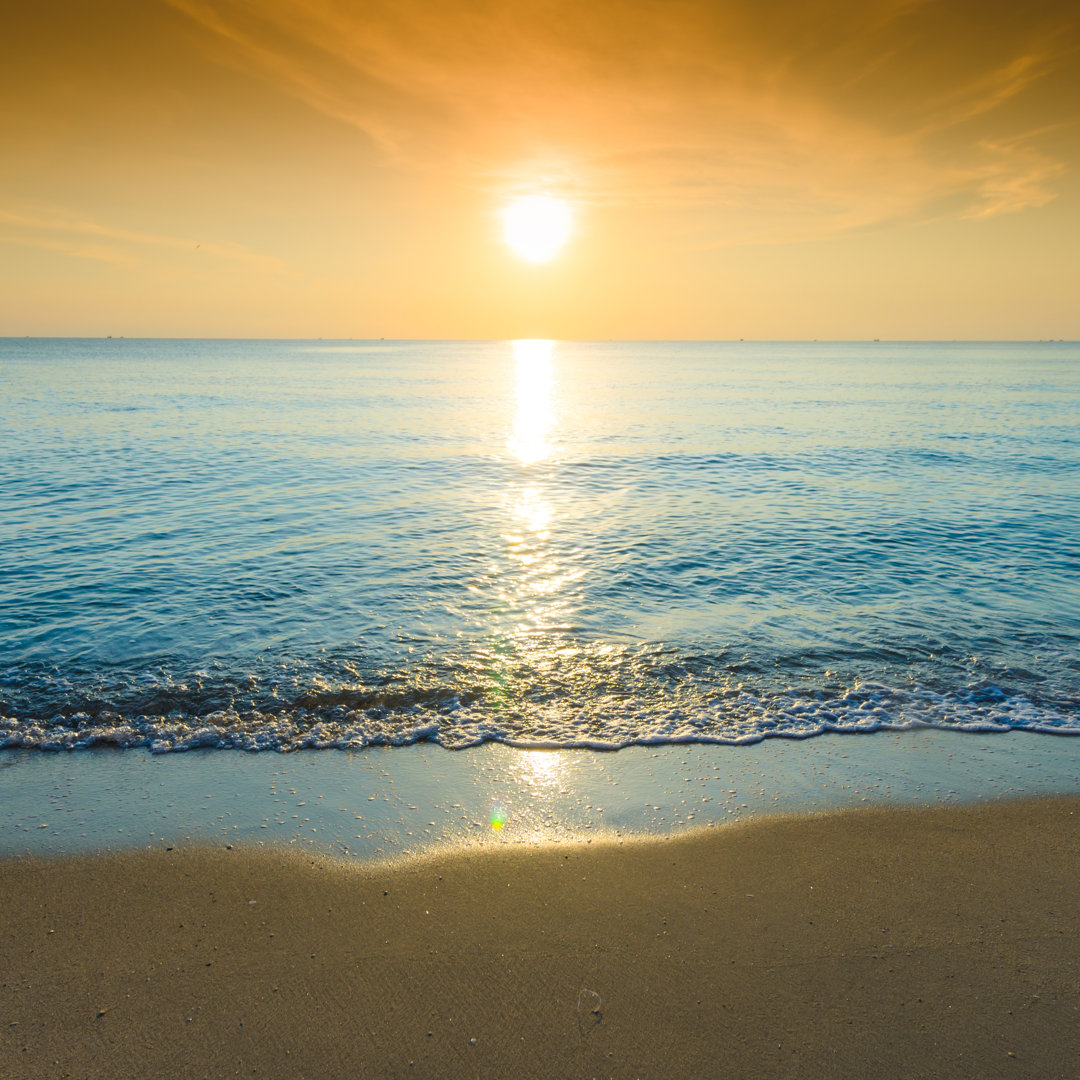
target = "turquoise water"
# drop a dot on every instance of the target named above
(385, 802)
(275, 545)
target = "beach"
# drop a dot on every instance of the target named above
(539, 708)
(539, 541)
(889, 942)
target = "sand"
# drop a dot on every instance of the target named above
(874, 943)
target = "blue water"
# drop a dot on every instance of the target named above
(276, 545)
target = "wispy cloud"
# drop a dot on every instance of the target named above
(1016, 176)
(990, 90)
(750, 117)
(114, 245)
(95, 252)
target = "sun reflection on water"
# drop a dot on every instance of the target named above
(543, 768)
(534, 582)
(533, 512)
(532, 592)
(538, 784)
(535, 596)
(538, 591)
(533, 419)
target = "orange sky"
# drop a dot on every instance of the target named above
(778, 169)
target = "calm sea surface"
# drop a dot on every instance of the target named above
(263, 544)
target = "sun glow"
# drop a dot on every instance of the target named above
(537, 226)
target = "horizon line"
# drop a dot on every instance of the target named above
(580, 341)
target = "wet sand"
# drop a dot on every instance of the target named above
(873, 943)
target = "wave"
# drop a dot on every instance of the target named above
(604, 721)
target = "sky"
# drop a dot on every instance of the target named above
(775, 169)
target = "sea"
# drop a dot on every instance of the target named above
(321, 545)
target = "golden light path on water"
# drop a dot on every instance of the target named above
(538, 783)
(538, 594)
(533, 418)
(539, 591)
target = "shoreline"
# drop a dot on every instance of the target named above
(893, 942)
(380, 804)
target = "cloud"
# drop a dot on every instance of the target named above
(114, 244)
(989, 90)
(1017, 176)
(793, 120)
(96, 252)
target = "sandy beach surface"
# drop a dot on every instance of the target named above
(934, 942)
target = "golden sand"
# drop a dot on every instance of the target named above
(894, 943)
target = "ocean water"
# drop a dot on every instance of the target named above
(274, 545)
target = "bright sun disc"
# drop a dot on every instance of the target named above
(536, 226)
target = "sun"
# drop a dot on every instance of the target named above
(537, 226)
